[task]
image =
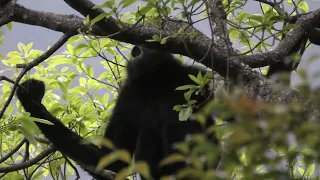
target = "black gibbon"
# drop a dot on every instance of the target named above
(143, 121)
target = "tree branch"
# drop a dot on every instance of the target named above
(57, 22)
(28, 66)
(17, 167)
(138, 35)
(6, 11)
(285, 46)
(14, 150)
(199, 47)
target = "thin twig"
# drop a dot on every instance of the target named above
(14, 150)
(26, 67)
(17, 167)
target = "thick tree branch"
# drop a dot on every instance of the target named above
(219, 31)
(53, 21)
(218, 18)
(303, 25)
(216, 57)
(139, 34)
(198, 47)
(64, 23)
(219, 56)
(6, 11)
(256, 85)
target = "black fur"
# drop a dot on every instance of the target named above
(61, 137)
(142, 119)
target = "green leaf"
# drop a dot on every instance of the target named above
(303, 6)
(74, 39)
(27, 135)
(264, 71)
(191, 102)
(70, 48)
(98, 18)
(173, 158)
(301, 171)
(20, 47)
(144, 10)
(277, 18)
(185, 113)
(185, 87)
(64, 69)
(188, 94)
(82, 81)
(126, 3)
(242, 16)
(193, 2)
(156, 37)
(9, 26)
(28, 124)
(86, 21)
(90, 71)
(108, 4)
(143, 169)
(193, 78)
(265, 7)
(233, 33)
(6, 89)
(111, 51)
(43, 121)
(16, 60)
(122, 155)
(310, 170)
(28, 47)
(199, 76)
(163, 41)
(64, 89)
(92, 83)
(177, 107)
(256, 17)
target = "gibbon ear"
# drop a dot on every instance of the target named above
(136, 51)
